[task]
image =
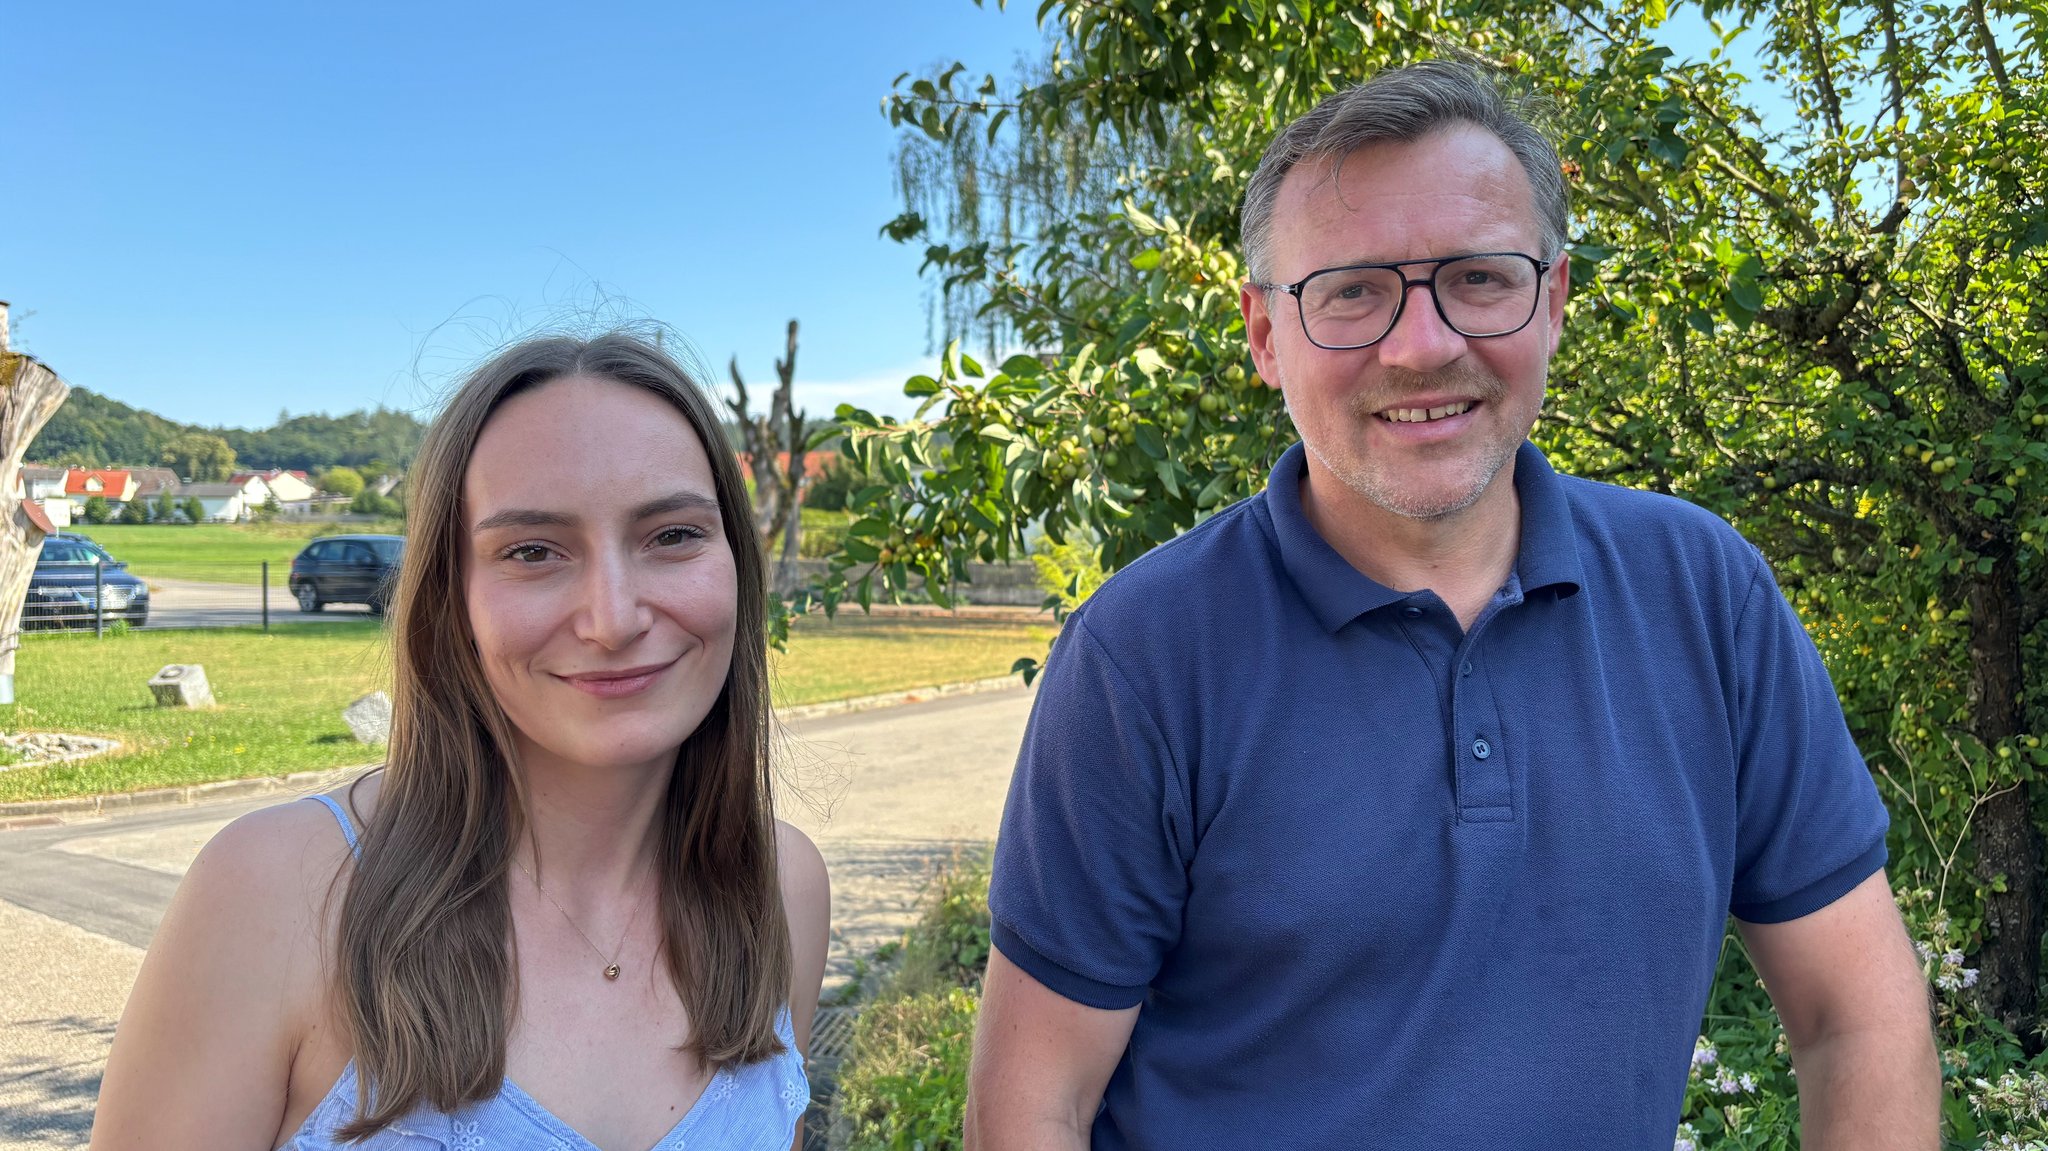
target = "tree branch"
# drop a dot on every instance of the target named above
(1830, 100)
(1994, 59)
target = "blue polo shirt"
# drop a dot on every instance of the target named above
(1379, 882)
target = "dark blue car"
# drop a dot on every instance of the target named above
(61, 592)
(347, 569)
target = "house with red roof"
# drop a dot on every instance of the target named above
(114, 485)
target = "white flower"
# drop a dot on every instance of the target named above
(1703, 1053)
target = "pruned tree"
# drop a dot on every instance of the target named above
(774, 444)
(32, 394)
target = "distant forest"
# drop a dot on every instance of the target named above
(91, 430)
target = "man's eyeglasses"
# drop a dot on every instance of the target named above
(1490, 294)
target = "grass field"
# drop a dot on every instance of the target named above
(216, 553)
(279, 694)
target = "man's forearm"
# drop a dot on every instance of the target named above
(1870, 1091)
(987, 1132)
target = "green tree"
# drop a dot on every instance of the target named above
(166, 508)
(134, 512)
(98, 510)
(341, 481)
(199, 458)
(195, 512)
(369, 503)
(1807, 298)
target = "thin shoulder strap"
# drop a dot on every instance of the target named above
(348, 830)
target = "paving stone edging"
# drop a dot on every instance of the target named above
(898, 698)
(52, 812)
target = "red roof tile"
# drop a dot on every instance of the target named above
(113, 482)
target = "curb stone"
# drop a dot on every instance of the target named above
(897, 698)
(54, 812)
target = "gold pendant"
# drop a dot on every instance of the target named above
(612, 972)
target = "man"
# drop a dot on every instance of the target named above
(1405, 803)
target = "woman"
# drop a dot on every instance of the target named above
(563, 915)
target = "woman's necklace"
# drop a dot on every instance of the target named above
(611, 962)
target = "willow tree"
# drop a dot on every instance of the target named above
(1000, 209)
(1810, 298)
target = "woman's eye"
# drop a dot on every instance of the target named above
(526, 553)
(679, 534)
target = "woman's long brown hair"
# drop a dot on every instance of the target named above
(426, 979)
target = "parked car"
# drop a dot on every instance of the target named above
(346, 569)
(60, 593)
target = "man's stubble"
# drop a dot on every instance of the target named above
(1372, 479)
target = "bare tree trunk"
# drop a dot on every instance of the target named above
(2008, 844)
(780, 432)
(33, 393)
(793, 528)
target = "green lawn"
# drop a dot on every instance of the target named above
(280, 694)
(217, 553)
(860, 655)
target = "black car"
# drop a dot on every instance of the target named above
(346, 569)
(60, 593)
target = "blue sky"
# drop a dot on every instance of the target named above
(218, 211)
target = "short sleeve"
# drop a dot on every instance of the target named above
(1090, 871)
(1810, 824)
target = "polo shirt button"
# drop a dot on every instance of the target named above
(1411, 612)
(1465, 668)
(1481, 749)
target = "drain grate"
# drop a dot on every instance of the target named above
(832, 1034)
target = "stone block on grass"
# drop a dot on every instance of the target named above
(181, 685)
(369, 718)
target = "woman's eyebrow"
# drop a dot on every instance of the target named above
(523, 518)
(679, 502)
(536, 518)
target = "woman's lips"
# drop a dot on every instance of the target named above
(614, 684)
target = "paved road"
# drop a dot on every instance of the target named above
(888, 794)
(190, 603)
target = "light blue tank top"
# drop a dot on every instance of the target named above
(754, 1107)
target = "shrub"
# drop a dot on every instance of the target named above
(1068, 572)
(97, 510)
(369, 503)
(903, 1086)
(948, 946)
(824, 532)
(341, 481)
(1742, 1096)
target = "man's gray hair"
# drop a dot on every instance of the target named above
(1406, 104)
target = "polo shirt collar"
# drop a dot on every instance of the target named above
(1338, 593)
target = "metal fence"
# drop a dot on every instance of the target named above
(96, 598)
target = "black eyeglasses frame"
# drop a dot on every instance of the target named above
(1408, 282)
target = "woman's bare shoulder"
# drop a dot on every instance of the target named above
(232, 984)
(801, 866)
(267, 851)
(807, 902)
(286, 862)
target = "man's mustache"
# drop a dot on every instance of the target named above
(1397, 384)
